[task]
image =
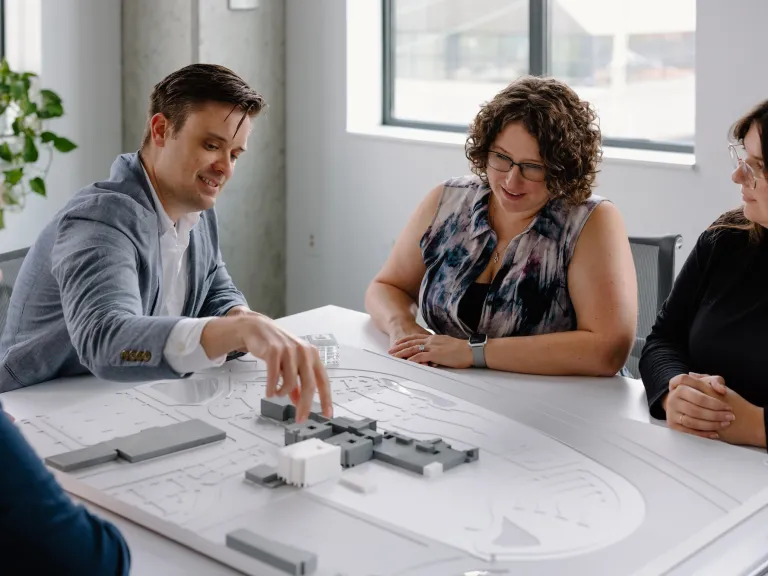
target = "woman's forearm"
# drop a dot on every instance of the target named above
(575, 353)
(389, 307)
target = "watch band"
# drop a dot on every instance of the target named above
(478, 351)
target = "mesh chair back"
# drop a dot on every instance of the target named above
(655, 268)
(10, 264)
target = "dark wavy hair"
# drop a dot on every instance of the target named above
(565, 127)
(735, 219)
(189, 88)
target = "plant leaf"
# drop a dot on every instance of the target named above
(18, 90)
(49, 96)
(10, 197)
(30, 150)
(28, 107)
(2, 219)
(38, 185)
(50, 110)
(48, 137)
(63, 145)
(16, 126)
(13, 176)
(5, 152)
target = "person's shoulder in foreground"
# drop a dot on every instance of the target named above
(43, 531)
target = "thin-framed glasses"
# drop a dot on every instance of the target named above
(502, 163)
(750, 169)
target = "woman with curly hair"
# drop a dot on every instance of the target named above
(703, 364)
(517, 267)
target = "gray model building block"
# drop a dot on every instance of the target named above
(317, 416)
(372, 435)
(264, 475)
(278, 408)
(306, 430)
(83, 458)
(163, 440)
(354, 449)
(342, 424)
(415, 455)
(360, 425)
(281, 556)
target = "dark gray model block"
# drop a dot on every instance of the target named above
(264, 475)
(317, 416)
(278, 408)
(163, 440)
(306, 430)
(281, 556)
(83, 458)
(149, 443)
(340, 424)
(343, 424)
(360, 425)
(414, 455)
(354, 449)
(372, 435)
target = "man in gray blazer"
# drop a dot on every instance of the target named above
(127, 281)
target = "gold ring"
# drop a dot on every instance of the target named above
(681, 419)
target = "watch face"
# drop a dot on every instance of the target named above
(478, 339)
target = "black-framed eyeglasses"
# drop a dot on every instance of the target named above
(529, 171)
(740, 160)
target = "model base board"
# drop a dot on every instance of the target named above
(551, 492)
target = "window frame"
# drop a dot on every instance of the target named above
(2, 29)
(538, 60)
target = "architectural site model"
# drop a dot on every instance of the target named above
(419, 471)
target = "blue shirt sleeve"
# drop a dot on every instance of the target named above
(41, 530)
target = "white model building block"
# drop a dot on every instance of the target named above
(359, 484)
(433, 469)
(309, 462)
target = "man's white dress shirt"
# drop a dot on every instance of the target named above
(182, 351)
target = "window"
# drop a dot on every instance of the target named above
(22, 34)
(444, 58)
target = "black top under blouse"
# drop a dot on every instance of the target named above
(471, 305)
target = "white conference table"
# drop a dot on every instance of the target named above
(595, 398)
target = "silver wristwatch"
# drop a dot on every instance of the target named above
(477, 343)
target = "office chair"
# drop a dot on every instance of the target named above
(655, 268)
(10, 263)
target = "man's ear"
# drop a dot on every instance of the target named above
(159, 129)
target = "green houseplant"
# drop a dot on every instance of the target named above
(23, 111)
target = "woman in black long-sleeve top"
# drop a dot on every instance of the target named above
(705, 362)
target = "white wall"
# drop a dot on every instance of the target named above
(80, 60)
(353, 193)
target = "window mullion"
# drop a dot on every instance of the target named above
(538, 37)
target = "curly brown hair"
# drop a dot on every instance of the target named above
(565, 127)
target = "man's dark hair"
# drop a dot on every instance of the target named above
(191, 87)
